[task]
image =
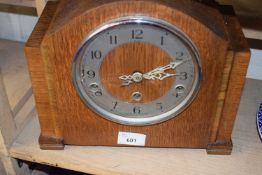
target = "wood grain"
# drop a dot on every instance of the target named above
(234, 77)
(128, 59)
(28, 3)
(40, 5)
(222, 95)
(78, 125)
(15, 74)
(36, 69)
(245, 159)
(7, 124)
(237, 77)
(11, 123)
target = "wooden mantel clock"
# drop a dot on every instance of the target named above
(148, 73)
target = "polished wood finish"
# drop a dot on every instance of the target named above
(241, 55)
(37, 72)
(63, 115)
(130, 58)
(233, 82)
(220, 148)
(51, 143)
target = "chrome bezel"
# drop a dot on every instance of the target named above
(138, 121)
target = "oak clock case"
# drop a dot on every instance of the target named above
(162, 69)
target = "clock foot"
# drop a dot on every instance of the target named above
(220, 148)
(51, 143)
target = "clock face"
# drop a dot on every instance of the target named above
(137, 71)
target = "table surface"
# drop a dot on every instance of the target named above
(15, 73)
(246, 157)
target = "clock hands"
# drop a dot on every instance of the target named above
(134, 78)
(156, 74)
(160, 74)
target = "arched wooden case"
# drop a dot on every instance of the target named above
(206, 123)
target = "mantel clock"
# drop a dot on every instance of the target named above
(148, 73)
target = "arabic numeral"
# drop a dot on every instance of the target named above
(91, 74)
(98, 93)
(113, 39)
(97, 54)
(176, 95)
(162, 40)
(159, 106)
(131, 140)
(137, 34)
(179, 56)
(115, 105)
(136, 110)
(183, 76)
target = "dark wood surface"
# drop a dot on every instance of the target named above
(62, 113)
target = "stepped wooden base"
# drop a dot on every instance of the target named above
(217, 148)
(51, 143)
(220, 148)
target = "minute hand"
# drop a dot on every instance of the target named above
(160, 74)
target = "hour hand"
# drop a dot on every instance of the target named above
(129, 79)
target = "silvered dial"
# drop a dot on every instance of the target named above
(184, 60)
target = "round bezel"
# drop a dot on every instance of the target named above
(141, 120)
